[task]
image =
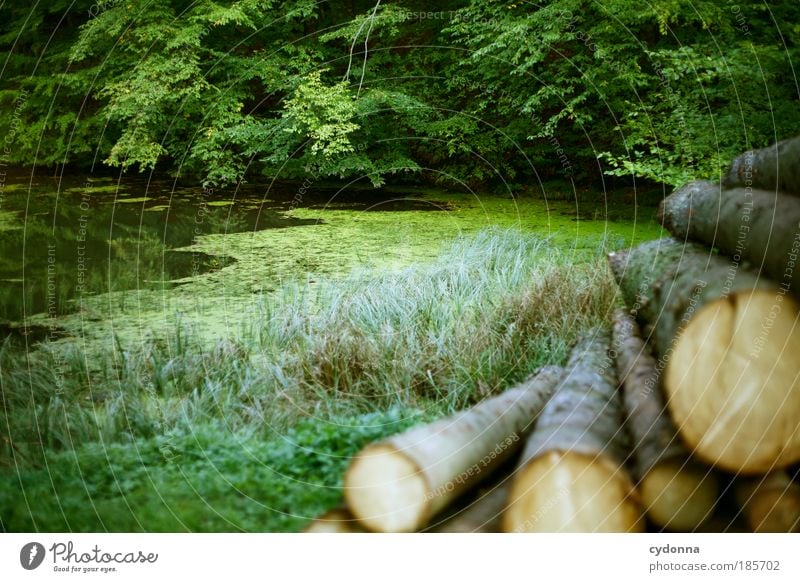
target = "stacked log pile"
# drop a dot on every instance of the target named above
(695, 384)
(717, 304)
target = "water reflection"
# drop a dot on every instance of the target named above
(61, 241)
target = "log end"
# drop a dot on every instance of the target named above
(572, 492)
(775, 512)
(678, 494)
(771, 504)
(387, 491)
(733, 382)
(675, 211)
(336, 520)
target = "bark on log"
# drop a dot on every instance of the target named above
(727, 341)
(397, 485)
(676, 492)
(775, 168)
(571, 475)
(760, 227)
(770, 503)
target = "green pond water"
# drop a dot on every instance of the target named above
(96, 259)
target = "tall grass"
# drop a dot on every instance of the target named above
(489, 311)
(253, 433)
(435, 337)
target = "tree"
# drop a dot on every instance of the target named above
(477, 91)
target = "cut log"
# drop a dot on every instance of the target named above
(728, 340)
(571, 476)
(775, 168)
(677, 492)
(770, 503)
(482, 515)
(717, 524)
(399, 484)
(756, 226)
(336, 520)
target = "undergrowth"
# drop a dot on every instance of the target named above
(86, 440)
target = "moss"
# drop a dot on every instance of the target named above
(490, 309)
(9, 220)
(98, 188)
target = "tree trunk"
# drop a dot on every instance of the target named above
(774, 168)
(397, 485)
(676, 492)
(760, 227)
(571, 475)
(770, 503)
(727, 339)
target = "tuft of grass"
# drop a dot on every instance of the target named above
(489, 311)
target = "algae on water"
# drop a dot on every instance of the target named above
(132, 266)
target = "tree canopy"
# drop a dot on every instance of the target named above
(477, 91)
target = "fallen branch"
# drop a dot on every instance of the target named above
(760, 227)
(482, 515)
(336, 520)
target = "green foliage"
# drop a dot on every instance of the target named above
(322, 115)
(667, 92)
(205, 479)
(478, 91)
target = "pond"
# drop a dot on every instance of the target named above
(97, 258)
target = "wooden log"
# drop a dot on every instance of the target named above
(718, 524)
(756, 226)
(770, 503)
(482, 515)
(677, 492)
(399, 484)
(775, 168)
(571, 476)
(336, 520)
(726, 338)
